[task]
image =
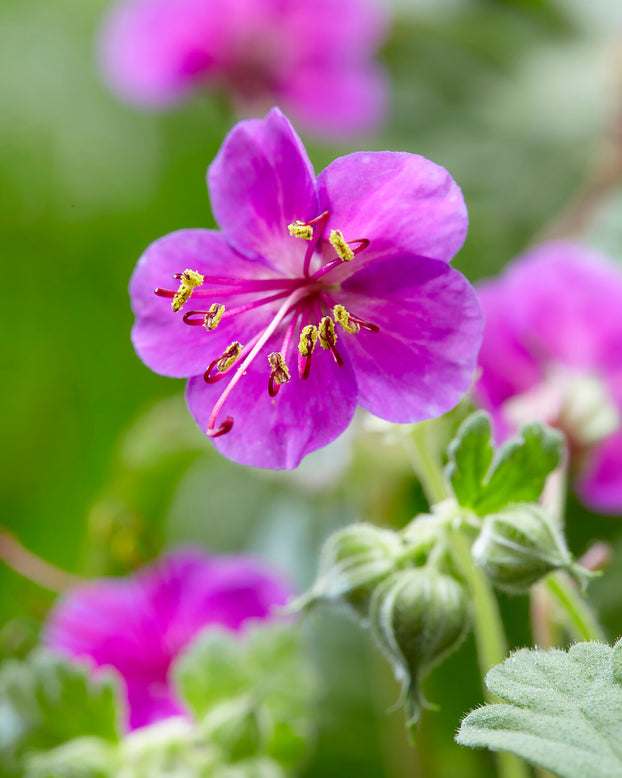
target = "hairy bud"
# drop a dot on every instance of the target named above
(519, 545)
(353, 561)
(418, 616)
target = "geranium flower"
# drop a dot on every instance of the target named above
(141, 623)
(315, 297)
(551, 351)
(313, 57)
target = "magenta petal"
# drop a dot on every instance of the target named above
(152, 52)
(423, 359)
(336, 99)
(600, 485)
(570, 302)
(260, 182)
(278, 432)
(139, 624)
(160, 337)
(507, 367)
(401, 203)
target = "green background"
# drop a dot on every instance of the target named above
(102, 465)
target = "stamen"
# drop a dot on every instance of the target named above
(352, 323)
(213, 316)
(300, 230)
(345, 319)
(308, 339)
(222, 428)
(190, 279)
(193, 322)
(363, 243)
(327, 332)
(338, 242)
(279, 375)
(328, 339)
(223, 363)
(287, 306)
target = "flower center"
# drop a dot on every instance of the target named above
(308, 305)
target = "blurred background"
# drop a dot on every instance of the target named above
(521, 100)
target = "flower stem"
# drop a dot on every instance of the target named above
(426, 463)
(487, 624)
(489, 637)
(582, 624)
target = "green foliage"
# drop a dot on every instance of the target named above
(251, 695)
(87, 757)
(46, 701)
(561, 711)
(484, 482)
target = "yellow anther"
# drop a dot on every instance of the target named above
(308, 339)
(328, 336)
(189, 280)
(300, 230)
(345, 319)
(338, 242)
(280, 371)
(182, 295)
(229, 357)
(213, 316)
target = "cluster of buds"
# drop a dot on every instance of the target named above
(405, 587)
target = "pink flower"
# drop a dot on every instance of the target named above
(552, 350)
(313, 57)
(140, 624)
(316, 297)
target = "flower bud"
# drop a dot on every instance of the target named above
(418, 616)
(353, 561)
(519, 545)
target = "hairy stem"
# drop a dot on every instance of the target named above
(426, 463)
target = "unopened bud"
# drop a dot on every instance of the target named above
(519, 545)
(418, 617)
(352, 563)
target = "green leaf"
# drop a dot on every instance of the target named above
(263, 671)
(470, 457)
(87, 757)
(517, 472)
(561, 711)
(46, 701)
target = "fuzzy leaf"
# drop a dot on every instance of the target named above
(516, 473)
(86, 757)
(561, 711)
(265, 669)
(46, 701)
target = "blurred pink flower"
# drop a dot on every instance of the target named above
(140, 624)
(552, 350)
(314, 58)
